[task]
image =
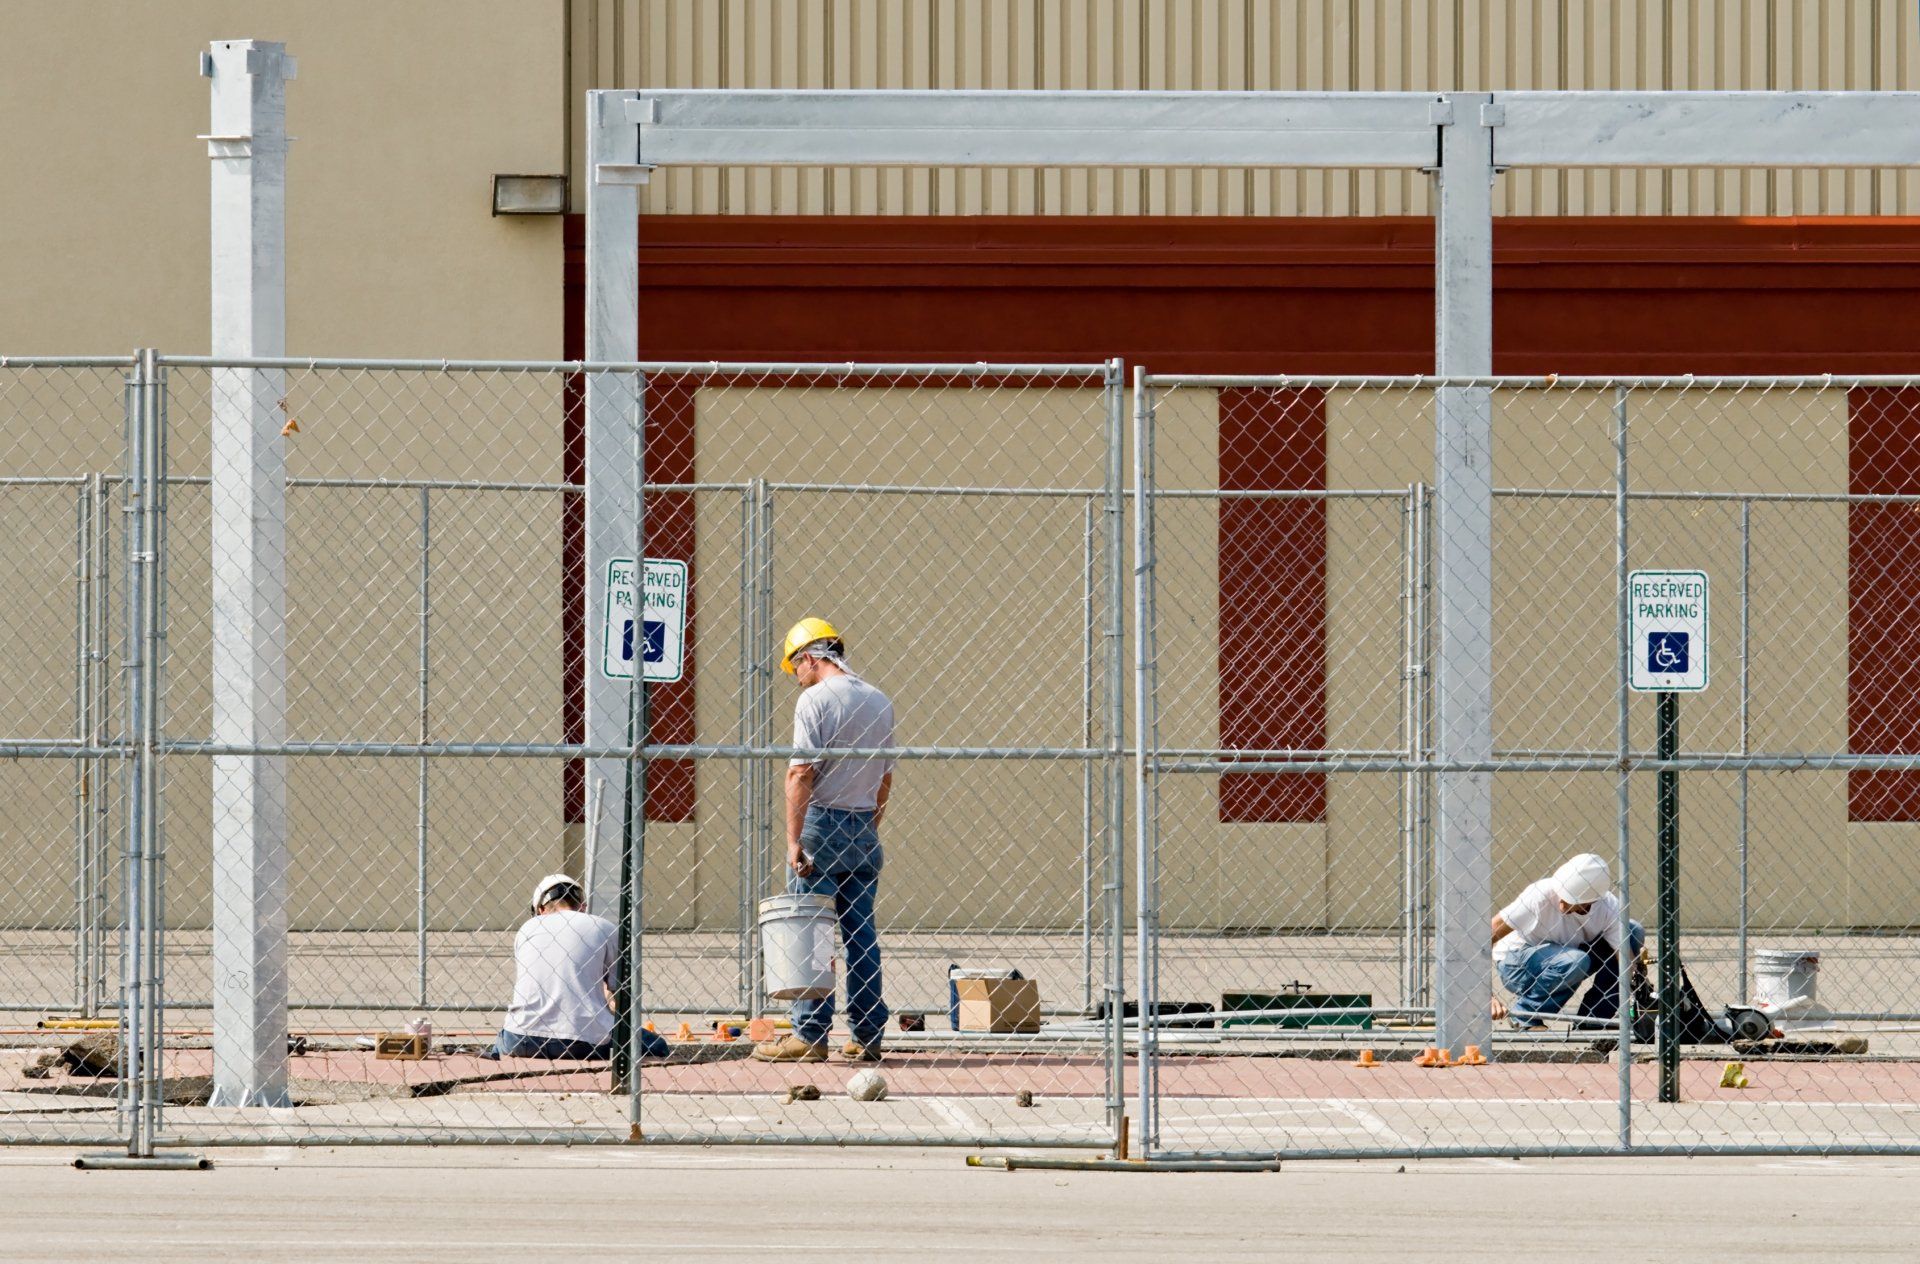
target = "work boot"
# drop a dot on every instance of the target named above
(790, 1049)
(854, 1051)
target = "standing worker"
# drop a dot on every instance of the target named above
(1561, 932)
(834, 808)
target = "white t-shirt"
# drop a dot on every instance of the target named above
(844, 711)
(561, 962)
(1536, 919)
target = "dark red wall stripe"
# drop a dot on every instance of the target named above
(1264, 295)
(1273, 598)
(670, 534)
(1883, 593)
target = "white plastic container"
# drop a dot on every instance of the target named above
(1784, 976)
(797, 941)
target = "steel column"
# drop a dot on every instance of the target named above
(1463, 522)
(613, 411)
(248, 149)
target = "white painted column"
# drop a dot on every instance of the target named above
(613, 413)
(248, 149)
(1463, 572)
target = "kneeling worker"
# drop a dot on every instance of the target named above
(1560, 932)
(566, 963)
(834, 808)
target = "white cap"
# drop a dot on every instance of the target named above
(1583, 879)
(548, 883)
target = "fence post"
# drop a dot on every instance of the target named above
(425, 732)
(1146, 856)
(100, 827)
(748, 766)
(132, 937)
(1746, 720)
(82, 766)
(1622, 788)
(1114, 663)
(1089, 619)
(633, 852)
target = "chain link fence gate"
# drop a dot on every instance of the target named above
(420, 583)
(1287, 850)
(65, 462)
(434, 759)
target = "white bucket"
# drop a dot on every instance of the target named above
(796, 940)
(1784, 975)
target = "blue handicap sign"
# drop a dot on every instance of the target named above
(656, 633)
(1667, 652)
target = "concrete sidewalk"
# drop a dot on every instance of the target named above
(473, 1204)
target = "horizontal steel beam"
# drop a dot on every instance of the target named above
(1028, 129)
(1269, 129)
(1707, 129)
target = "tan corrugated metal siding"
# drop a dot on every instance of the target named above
(1385, 45)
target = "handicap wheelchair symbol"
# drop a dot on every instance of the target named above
(656, 648)
(1667, 653)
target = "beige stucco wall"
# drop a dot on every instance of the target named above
(1553, 594)
(967, 610)
(401, 115)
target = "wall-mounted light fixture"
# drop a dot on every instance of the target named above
(529, 195)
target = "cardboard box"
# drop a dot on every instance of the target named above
(1004, 1005)
(402, 1046)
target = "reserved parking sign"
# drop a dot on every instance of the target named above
(1667, 631)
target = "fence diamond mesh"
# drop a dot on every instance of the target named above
(62, 489)
(381, 648)
(1291, 627)
(315, 679)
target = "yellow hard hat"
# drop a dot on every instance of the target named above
(803, 634)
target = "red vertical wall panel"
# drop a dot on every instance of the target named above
(1273, 597)
(1883, 596)
(670, 531)
(670, 534)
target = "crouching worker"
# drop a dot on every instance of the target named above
(565, 963)
(1561, 932)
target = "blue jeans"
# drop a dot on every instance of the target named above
(1544, 978)
(513, 1044)
(845, 847)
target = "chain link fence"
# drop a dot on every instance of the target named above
(376, 701)
(63, 487)
(1290, 850)
(313, 684)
